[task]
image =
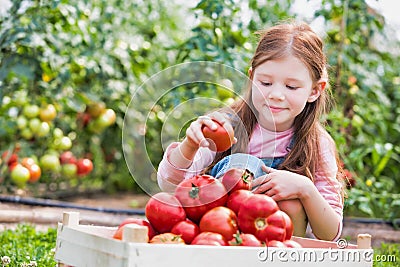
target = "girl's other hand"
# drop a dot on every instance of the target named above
(281, 184)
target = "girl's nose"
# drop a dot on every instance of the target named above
(276, 93)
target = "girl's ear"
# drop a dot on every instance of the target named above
(250, 72)
(316, 91)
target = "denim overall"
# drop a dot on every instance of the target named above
(246, 161)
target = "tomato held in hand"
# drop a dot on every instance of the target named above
(235, 179)
(220, 139)
(164, 211)
(210, 239)
(220, 220)
(199, 194)
(187, 229)
(167, 238)
(247, 240)
(258, 216)
(237, 198)
(137, 221)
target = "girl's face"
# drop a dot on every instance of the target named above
(280, 91)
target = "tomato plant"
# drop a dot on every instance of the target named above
(220, 220)
(163, 211)
(220, 139)
(235, 179)
(199, 194)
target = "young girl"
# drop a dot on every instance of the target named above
(278, 134)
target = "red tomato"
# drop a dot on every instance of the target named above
(289, 225)
(167, 238)
(199, 194)
(247, 240)
(67, 157)
(220, 220)
(291, 244)
(85, 166)
(137, 221)
(236, 199)
(220, 139)
(84, 118)
(187, 229)
(209, 238)
(9, 158)
(164, 211)
(276, 243)
(235, 179)
(258, 216)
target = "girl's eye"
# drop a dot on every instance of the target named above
(265, 83)
(292, 87)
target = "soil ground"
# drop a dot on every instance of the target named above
(11, 214)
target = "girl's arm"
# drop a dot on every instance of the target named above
(169, 175)
(325, 222)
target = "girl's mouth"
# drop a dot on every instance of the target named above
(274, 109)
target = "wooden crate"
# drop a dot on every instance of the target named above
(86, 245)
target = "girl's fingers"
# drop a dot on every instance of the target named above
(265, 187)
(194, 134)
(260, 181)
(268, 169)
(206, 121)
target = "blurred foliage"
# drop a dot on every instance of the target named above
(74, 53)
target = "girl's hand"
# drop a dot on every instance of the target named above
(194, 135)
(281, 184)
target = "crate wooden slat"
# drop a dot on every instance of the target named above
(83, 245)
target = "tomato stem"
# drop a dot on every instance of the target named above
(246, 176)
(194, 192)
(260, 223)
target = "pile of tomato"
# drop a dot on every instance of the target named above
(207, 211)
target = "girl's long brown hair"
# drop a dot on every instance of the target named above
(300, 41)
